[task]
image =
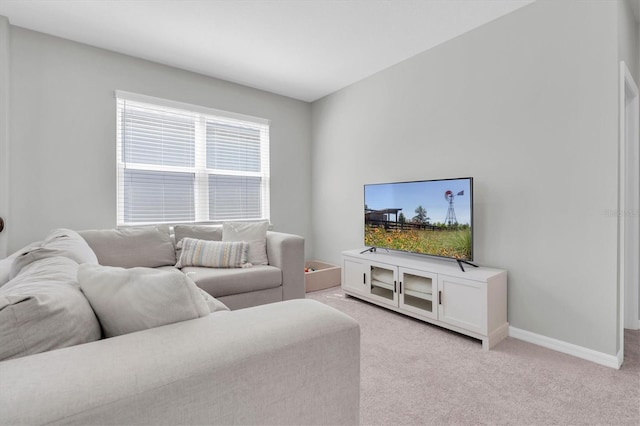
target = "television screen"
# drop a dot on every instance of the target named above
(432, 217)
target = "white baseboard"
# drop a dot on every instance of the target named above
(620, 358)
(613, 361)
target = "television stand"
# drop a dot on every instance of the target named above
(432, 290)
(460, 262)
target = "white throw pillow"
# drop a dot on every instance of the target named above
(212, 254)
(254, 233)
(128, 300)
(214, 304)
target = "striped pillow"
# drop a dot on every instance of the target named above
(213, 254)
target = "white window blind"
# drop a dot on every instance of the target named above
(184, 163)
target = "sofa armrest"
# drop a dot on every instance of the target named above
(295, 362)
(286, 251)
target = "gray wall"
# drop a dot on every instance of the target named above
(629, 45)
(63, 135)
(4, 127)
(628, 38)
(527, 105)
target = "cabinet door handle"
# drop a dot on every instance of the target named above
(364, 278)
(440, 297)
(400, 287)
(394, 286)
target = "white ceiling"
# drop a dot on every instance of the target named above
(304, 49)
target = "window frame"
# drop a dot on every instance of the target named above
(201, 172)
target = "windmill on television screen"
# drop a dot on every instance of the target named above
(451, 213)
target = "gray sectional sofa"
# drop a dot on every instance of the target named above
(154, 247)
(291, 362)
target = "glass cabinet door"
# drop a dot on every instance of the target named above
(383, 284)
(418, 292)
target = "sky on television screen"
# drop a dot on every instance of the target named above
(428, 194)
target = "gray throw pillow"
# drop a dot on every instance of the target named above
(254, 233)
(128, 300)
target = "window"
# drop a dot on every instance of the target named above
(184, 163)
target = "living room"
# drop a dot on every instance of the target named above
(527, 104)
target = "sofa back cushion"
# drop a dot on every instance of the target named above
(7, 262)
(130, 247)
(70, 244)
(198, 232)
(42, 309)
(254, 233)
(60, 242)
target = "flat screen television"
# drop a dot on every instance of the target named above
(429, 217)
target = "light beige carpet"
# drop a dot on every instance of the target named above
(415, 373)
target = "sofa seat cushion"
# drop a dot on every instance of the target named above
(220, 282)
(42, 309)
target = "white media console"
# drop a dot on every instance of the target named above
(432, 290)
